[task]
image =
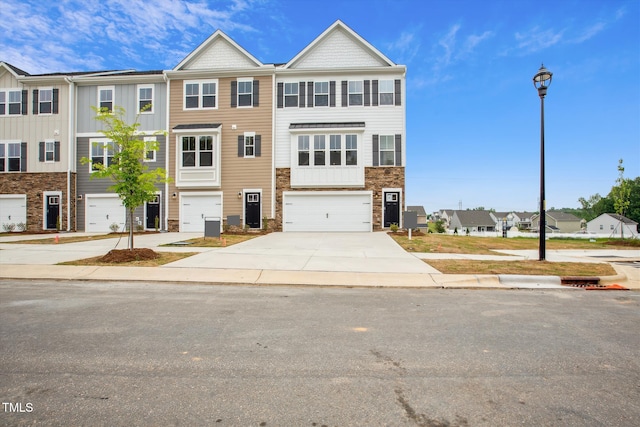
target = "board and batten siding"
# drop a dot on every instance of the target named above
(237, 173)
(379, 120)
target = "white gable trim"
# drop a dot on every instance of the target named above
(210, 41)
(332, 29)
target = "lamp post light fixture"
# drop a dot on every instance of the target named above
(541, 81)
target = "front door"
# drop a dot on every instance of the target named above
(153, 212)
(391, 208)
(252, 210)
(53, 212)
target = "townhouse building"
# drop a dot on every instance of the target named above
(37, 175)
(143, 95)
(339, 136)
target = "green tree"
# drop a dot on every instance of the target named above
(621, 194)
(133, 181)
(588, 206)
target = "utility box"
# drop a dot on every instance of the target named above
(211, 227)
(233, 220)
(410, 220)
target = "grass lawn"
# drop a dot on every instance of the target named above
(164, 258)
(447, 244)
(70, 239)
(214, 242)
(528, 267)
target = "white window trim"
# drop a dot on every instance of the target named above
(393, 93)
(244, 203)
(327, 150)
(150, 139)
(45, 197)
(349, 93)
(40, 89)
(291, 95)
(197, 136)
(113, 96)
(53, 152)
(244, 80)
(104, 142)
(6, 101)
(153, 95)
(6, 157)
(200, 94)
(393, 149)
(327, 94)
(249, 134)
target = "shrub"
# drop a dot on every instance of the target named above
(114, 227)
(21, 226)
(393, 227)
(8, 227)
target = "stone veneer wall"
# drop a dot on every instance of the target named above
(375, 178)
(33, 185)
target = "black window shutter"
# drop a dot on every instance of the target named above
(240, 145)
(23, 155)
(398, 94)
(256, 93)
(55, 101)
(301, 95)
(376, 151)
(25, 98)
(398, 149)
(41, 151)
(344, 94)
(310, 102)
(35, 101)
(367, 92)
(374, 92)
(234, 94)
(280, 95)
(332, 93)
(258, 145)
(56, 152)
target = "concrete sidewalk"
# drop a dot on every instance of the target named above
(320, 259)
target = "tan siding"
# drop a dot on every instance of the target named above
(236, 173)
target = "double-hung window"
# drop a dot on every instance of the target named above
(106, 98)
(291, 94)
(200, 94)
(319, 147)
(197, 151)
(335, 150)
(10, 157)
(386, 88)
(321, 94)
(145, 99)
(250, 145)
(245, 93)
(303, 150)
(49, 151)
(101, 154)
(10, 102)
(351, 150)
(151, 148)
(387, 150)
(45, 101)
(355, 93)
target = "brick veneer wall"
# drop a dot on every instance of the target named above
(375, 178)
(33, 185)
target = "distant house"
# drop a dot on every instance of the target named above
(613, 225)
(472, 221)
(422, 214)
(522, 220)
(501, 217)
(445, 215)
(558, 222)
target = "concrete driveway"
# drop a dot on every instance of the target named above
(348, 252)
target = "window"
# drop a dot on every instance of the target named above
(386, 92)
(291, 94)
(318, 150)
(150, 154)
(10, 157)
(49, 151)
(105, 98)
(197, 151)
(335, 151)
(145, 99)
(303, 150)
(249, 146)
(387, 150)
(200, 95)
(351, 150)
(321, 91)
(10, 102)
(245, 93)
(101, 154)
(611, 227)
(45, 101)
(601, 227)
(355, 93)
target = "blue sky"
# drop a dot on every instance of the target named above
(473, 115)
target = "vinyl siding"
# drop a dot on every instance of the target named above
(237, 173)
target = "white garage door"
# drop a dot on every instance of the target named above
(13, 210)
(327, 211)
(194, 208)
(103, 210)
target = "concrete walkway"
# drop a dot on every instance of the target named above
(321, 259)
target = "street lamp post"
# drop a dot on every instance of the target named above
(541, 81)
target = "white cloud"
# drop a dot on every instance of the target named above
(406, 47)
(537, 39)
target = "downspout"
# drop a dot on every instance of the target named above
(166, 154)
(71, 152)
(273, 145)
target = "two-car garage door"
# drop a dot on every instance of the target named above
(327, 211)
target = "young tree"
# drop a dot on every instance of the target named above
(621, 195)
(133, 181)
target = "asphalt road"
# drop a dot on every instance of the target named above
(123, 354)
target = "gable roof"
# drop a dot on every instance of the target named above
(474, 218)
(17, 72)
(326, 45)
(218, 51)
(562, 216)
(620, 218)
(418, 209)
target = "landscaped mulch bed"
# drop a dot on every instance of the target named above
(118, 256)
